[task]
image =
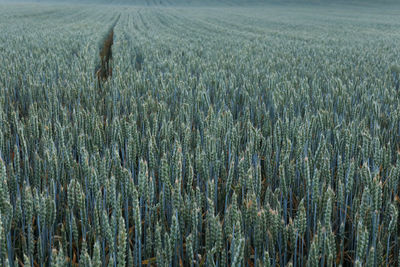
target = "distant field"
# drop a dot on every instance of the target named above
(164, 134)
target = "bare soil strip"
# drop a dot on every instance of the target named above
(104, 71)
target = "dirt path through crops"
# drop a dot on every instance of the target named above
(104, 71)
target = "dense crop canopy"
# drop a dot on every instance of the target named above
(226, 136)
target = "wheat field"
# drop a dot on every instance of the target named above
(189, 133)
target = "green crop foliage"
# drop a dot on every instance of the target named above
(256, 135)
